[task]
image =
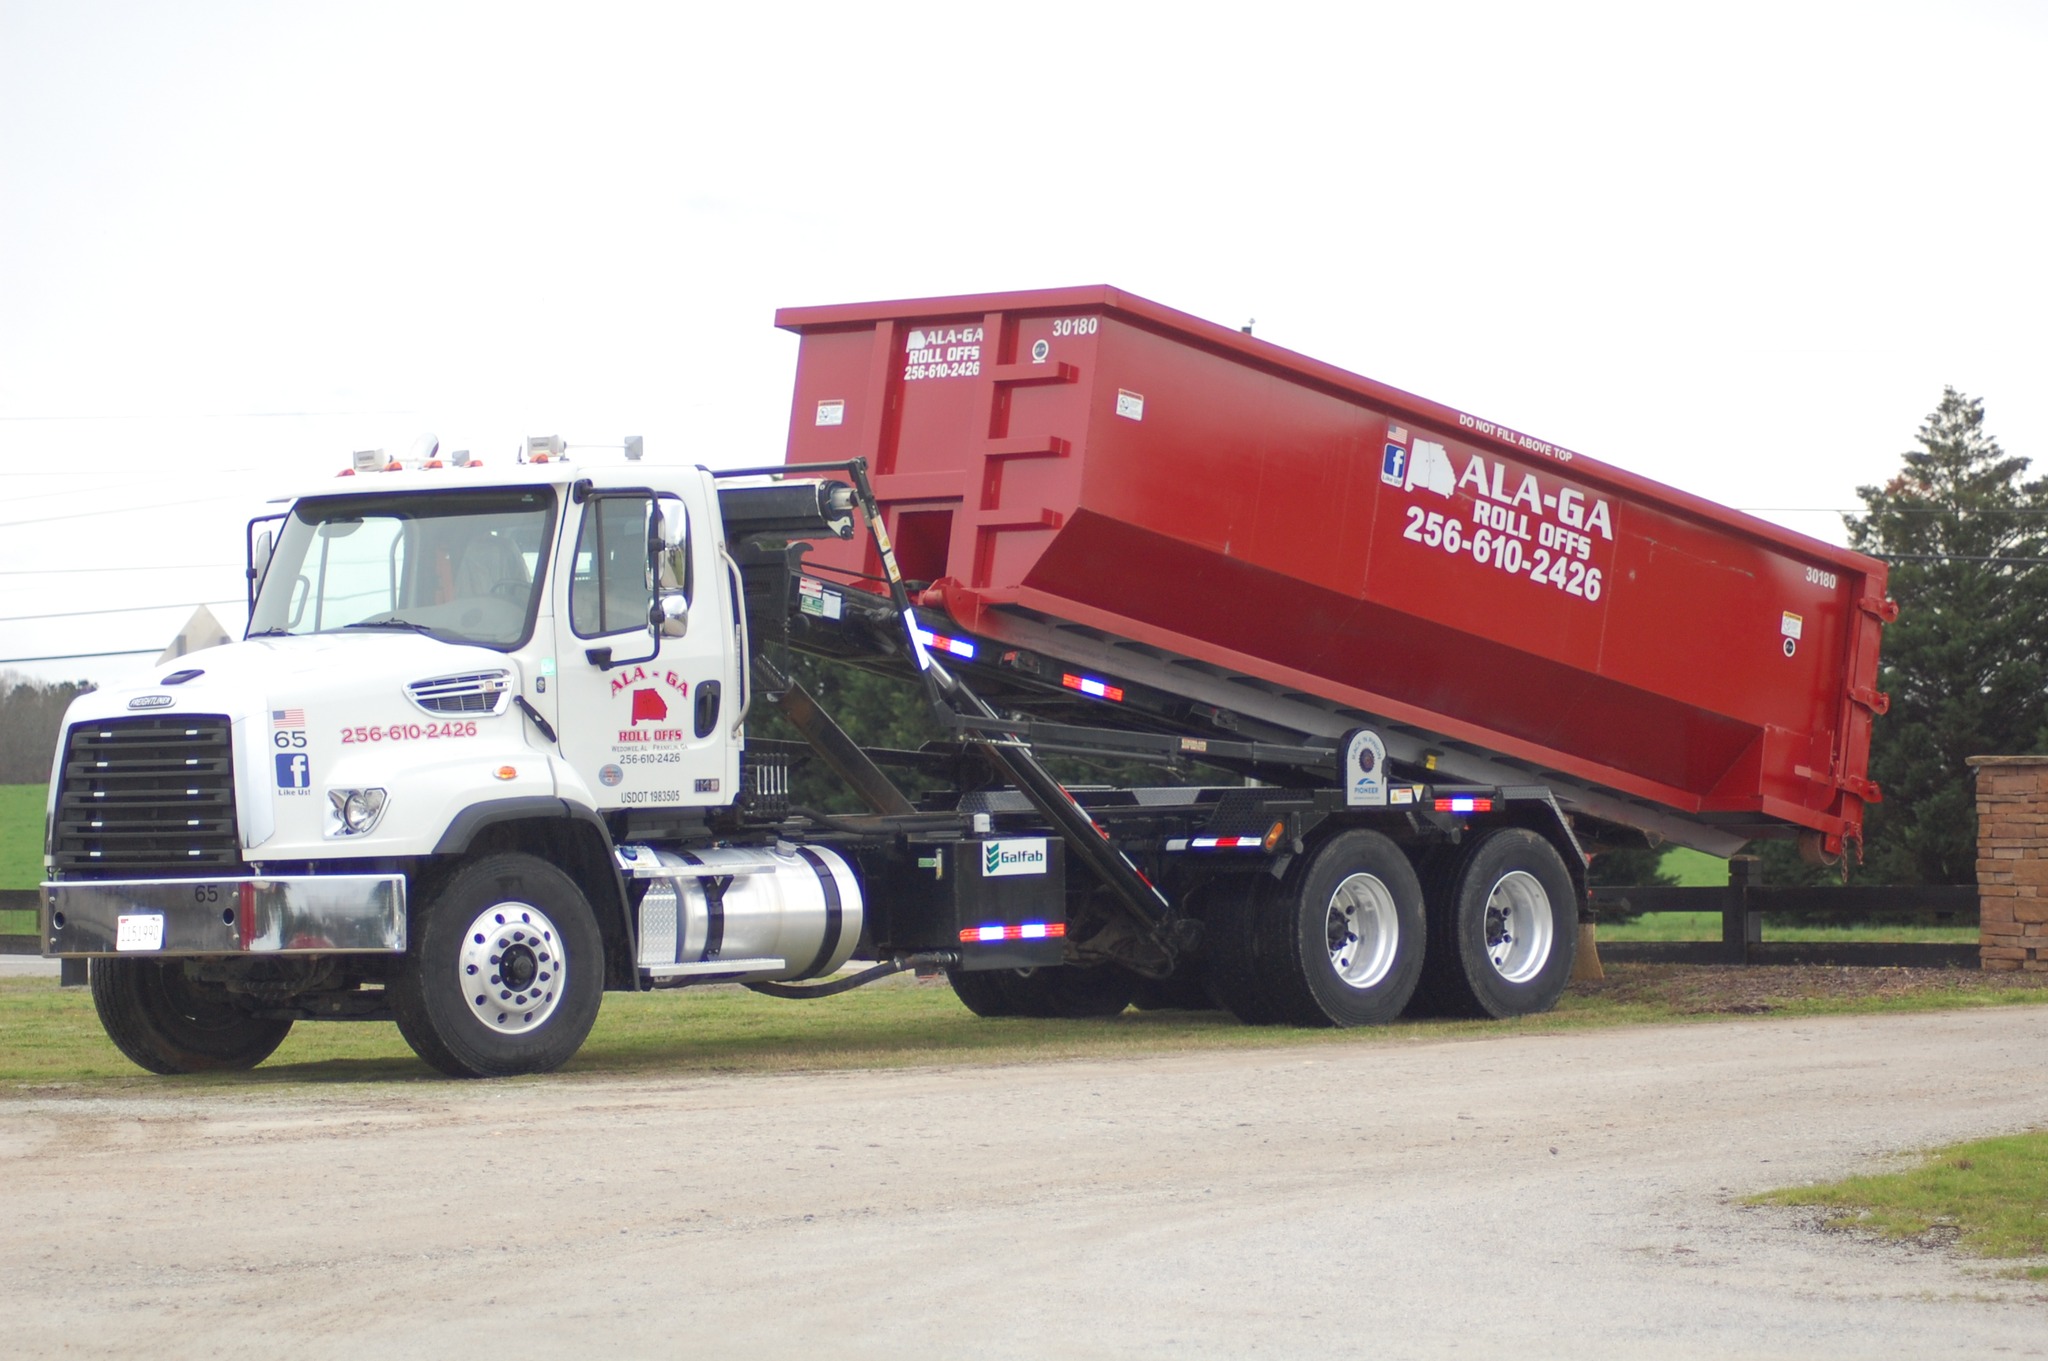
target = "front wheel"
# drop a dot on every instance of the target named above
(504, 974)
(1503, 928)
(168, 1022)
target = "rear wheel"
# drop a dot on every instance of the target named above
(1230, 946)
(1342, 943)
(168, 1022)
(981, 992)
(1066, 990)
(1503, 928)
(504, 974)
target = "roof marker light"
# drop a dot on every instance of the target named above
(1088, 685)
(959, 647)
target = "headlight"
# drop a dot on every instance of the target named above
(353, 812)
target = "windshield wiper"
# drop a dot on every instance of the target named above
(269, 633)
(392, 621)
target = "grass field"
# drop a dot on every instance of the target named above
(48, 1035)
(21, 849)
(1989, 1198)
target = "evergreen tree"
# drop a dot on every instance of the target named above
(31, 714)
(1964, 664)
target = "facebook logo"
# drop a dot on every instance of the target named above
(1394, 465)
(293, 770)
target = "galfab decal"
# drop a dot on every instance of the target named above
(1016, 855)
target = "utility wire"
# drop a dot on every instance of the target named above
(82, 656)
(152, 567)
(123, 510)
(125, 609)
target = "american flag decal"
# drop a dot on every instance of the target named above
(287, 718)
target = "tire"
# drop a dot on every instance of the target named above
(981, 992)
(1071, 992)
(169, 1023)
(504, 910)
(1342, 942)
(1503, 928)
(1230, 949)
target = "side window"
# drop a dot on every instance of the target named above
(610, 592)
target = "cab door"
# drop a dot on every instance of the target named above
(644, 716)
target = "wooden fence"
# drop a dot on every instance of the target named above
(20, 900)
(1743, 904)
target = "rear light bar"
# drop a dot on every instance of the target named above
(1027, 931)
(1088, 685)
(959, 647)
(1231, 843)
(1464, 804)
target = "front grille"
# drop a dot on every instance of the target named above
(147, 796)
(484, 692)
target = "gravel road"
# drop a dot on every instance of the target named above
(1563, 1195)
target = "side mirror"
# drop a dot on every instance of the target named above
(671, 525)
(259, 556)
(672, 610)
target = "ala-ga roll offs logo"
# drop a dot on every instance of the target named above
(999, 858)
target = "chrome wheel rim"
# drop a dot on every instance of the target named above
(511, 968)
(1363, 928)
(1518, 926)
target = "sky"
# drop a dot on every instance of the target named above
(1739, 249)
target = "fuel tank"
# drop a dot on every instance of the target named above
(745, 914)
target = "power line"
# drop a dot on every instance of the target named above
(123, 510)
(125, 609)
(222, 415)
(1953, 557)
(153, 567)
(82, 656)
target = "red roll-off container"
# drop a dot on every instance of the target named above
(1085, 456)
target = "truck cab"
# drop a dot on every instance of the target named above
(453, 679)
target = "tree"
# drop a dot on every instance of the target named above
(1964, 665)
(31, 713)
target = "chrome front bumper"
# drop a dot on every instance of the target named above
(309, 914)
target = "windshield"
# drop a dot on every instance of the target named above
(462, 566)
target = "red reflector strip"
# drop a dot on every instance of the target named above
(959, 647)
(1227, 843)
(1464, 805)
(1028, 931)
(1088, 685)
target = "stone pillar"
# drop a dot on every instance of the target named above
(2012, 862)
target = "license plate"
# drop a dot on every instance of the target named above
(139, 931)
